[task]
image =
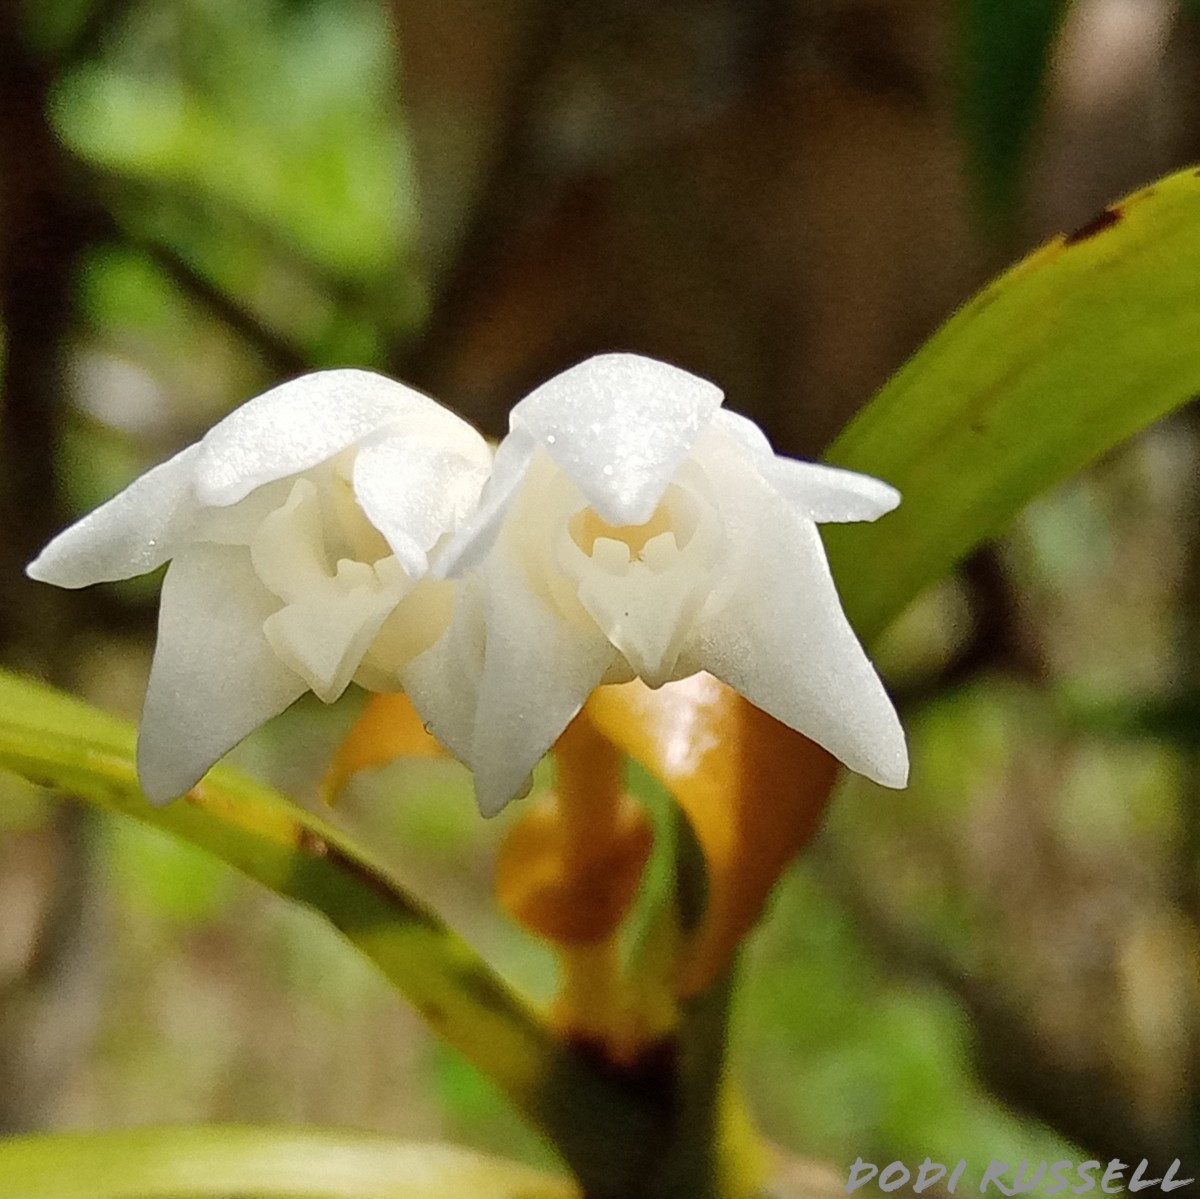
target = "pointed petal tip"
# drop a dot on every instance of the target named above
(888, 766)
(39, 569)
(160, 784)
(61, 571)
(878, 749)
(60, 565)
(492, 799)
(895, 777)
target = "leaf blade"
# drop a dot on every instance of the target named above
(56, 740)
(228, 1162)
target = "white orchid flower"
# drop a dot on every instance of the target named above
(299, 531)
(633, 528)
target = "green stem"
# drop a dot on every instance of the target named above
(706, 1155)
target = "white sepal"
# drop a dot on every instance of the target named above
(537, 671)
(214, 676)
(619, 425)
(133, 533)
(296, 426)
(781, 639)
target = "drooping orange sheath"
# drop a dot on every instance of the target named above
(753, 790)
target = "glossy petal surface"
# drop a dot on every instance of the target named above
(818, 492)
(133, 533)
(471, 544)
(413, 489)
(297, 425)
(780, 637)
(537, 672)
(619, 425)
(214, 676)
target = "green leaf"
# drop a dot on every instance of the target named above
(225, 1162)
(1083, 343)
(54, 739)
(1005, 52)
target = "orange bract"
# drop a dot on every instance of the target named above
(568, 896)
(752, 789)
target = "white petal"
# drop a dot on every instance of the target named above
(416, 489)
(134, 532)
(214, 677)
(646, 616)
(646, 602)
(466, 549)
(413, 627)
(238, 523)
(332, 610)
(827, 493)
(443, 680)
(537, 671)
(298, 424)
(822, 493)
(781, 639)
(619, 425)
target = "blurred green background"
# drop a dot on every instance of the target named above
(199, 198)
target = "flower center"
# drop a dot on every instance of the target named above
(337, 578)
(644, 584)
(673, 516)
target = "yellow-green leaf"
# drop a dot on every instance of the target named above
(227, 1162)
(61, 742)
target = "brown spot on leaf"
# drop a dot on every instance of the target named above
(311, 844)
(1105, 220)
(433, 1013)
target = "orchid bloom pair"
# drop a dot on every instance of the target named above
(344, 527)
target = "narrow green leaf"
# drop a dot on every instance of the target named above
(228, 1162)
(1005, 50)
(1086, 341)
(59, 741)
